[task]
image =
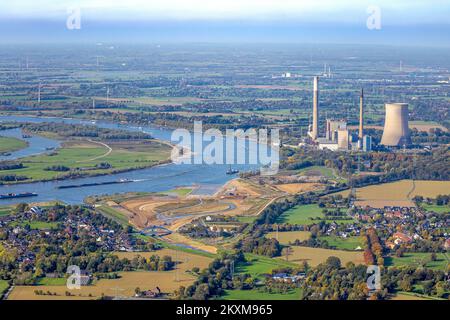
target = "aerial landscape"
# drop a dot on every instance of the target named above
(101, 197)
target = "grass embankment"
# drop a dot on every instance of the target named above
(4, 211)
(113, 214)
(9, 144)
(3, 286)
(83, 158)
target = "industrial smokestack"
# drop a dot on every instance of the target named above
(361, 115)
(396, 131)
(315, 125)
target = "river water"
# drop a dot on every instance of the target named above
(207, 178)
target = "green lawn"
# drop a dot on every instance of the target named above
(254, 294)
(37, 225)
(51, 282)
(3, 286)
(324, 171)
(85, 156)
(8, 144)
(349, 243)
(305, 214)
(417, 259)
(256, 265)
(436, 208)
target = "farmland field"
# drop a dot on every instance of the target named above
(417, 259)
(399, 193)
(8, 144)
(315, 256)
(167, 281)
(294, 188)
(287, 237)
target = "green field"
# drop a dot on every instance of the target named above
(349, 243)
(301, 214)
(37, 225)
(418, 259)
(246, 219)
(315, 170)
(82, 157)
(254, 294)
(306, 215)
(436, 208)
(257, 266)
(3, 286)
(8, 144)
(51, 282)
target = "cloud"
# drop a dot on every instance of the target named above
(405, 11)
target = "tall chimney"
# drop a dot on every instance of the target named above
(315, 125)
(361, 115)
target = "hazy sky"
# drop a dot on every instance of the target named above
(27, 18)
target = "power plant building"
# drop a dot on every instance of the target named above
(343, 139)
(367, 143)
(396, 131)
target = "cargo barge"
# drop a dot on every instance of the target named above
(18, 195)
(72, 186)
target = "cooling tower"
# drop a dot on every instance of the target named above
(396, 131)
(315, 127)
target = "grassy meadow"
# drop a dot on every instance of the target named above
(82, 157)
(8, 144)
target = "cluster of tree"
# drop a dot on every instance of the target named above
(391, 166)
(433, 282)
(218, 277)
(103, 166)
(12, 178)
(434, 135)
(329, 281)
(260, 245)
(373, 252)
(58, 168)
(77, 130)
(10, 165)
(440, 200)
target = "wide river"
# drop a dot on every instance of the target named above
(208, 178)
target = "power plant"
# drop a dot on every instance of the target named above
(396, 130)
(337, 135)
